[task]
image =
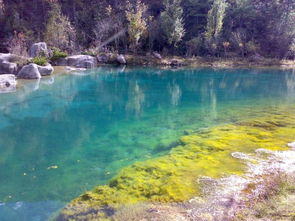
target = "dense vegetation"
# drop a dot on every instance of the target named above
(230, 28)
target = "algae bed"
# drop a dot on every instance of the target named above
(140, 134)
(174, 177)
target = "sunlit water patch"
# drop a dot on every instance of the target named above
(61, 136)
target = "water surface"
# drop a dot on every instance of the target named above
(65, 134)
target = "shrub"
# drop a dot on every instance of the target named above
(251, 47)
(58, 54)
(89, 52)
(42, 61)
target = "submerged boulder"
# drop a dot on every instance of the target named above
(121, 59)
(7, 83)
(82, 61)
(29, 71)
(39, 49)
(45, 70)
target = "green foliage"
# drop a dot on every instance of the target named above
(194, 46)
(42, 61)
(215, 21)
(59, 31)
(137, 25)
(172, 22)
(251, 47)
(57, 54)
(160, 25)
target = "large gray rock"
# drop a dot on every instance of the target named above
(121, 59)
(7, 83)
(39, 49)
(82, 61)
(61, 62)
(45, 70)
(7, 63)
(106, 58)
(29, 71)
(8, 67)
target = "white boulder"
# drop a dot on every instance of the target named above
(121, 59)
(157, 55)
(291, 145)
(8, 67)
(39, 49)
(29, 71)
(82, 61)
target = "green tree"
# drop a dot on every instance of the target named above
(215, 20)
(59, 31)
(275, 27)
(172, 22)
(137, 24)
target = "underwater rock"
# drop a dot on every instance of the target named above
(74, 69)
(7, 83)
(47, 80)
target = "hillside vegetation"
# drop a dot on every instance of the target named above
(216, 28)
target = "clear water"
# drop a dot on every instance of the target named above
(65, 134)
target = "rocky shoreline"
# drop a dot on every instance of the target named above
(13, 67)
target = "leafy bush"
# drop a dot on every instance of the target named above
(58, 54)
(42, 61)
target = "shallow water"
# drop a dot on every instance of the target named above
(63, 135)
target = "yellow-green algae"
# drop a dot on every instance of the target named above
(174, 177)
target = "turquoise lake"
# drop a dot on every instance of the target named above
(65, 134)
